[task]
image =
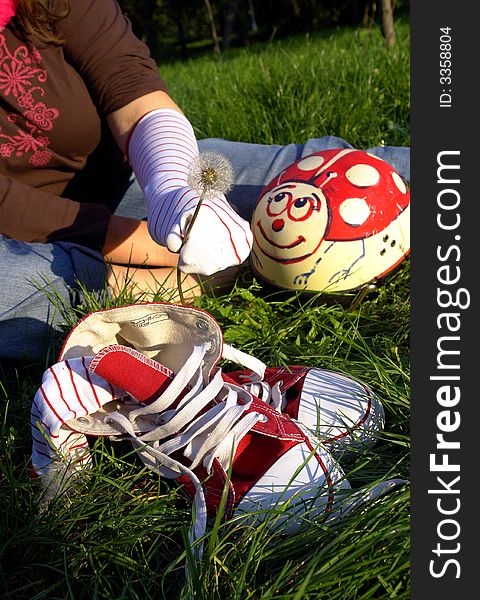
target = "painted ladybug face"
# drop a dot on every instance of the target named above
(332, 221)
(290, 222)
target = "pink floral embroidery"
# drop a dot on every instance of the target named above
(41, 116)
(40, 158)
(6, 149)
(15, 78)
(25, 142)
(21, 78)
(26, 100)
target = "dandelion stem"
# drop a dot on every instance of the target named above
(185, 237)
(210, 174)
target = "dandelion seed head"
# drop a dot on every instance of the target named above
(211, 173)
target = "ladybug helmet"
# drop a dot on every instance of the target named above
(333, 222)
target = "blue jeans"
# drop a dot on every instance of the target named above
(30, 273)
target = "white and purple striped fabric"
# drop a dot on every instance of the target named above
(161, 149)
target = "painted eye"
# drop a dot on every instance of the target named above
(300, 202)
(278, 202)
(300, 209)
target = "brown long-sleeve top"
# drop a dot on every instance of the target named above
(59, 163)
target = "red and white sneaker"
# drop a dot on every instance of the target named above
(188, 420)
(343, 413)
(149, 373)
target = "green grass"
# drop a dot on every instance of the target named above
(340, 83)
(121, 534)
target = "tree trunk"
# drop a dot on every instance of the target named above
(253, 21)
(367, 10)
(147, 10)
(296, 8)
(229, 17)
(216, 45)
(387, 23)
(180, 21)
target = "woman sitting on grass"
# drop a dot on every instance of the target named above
(94, 166)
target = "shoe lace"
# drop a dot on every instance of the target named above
(201, 433)
(255, 383)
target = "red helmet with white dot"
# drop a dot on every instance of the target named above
(333, 222)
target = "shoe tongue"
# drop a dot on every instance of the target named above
(130, 370)
(166, 333)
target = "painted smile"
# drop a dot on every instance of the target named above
(293, 244)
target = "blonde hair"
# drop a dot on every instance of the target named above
(38, 19)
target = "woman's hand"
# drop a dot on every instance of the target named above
(138, 265)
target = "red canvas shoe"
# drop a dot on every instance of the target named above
(148, 373)
(344, 413)
(187, 420)
(198, 429)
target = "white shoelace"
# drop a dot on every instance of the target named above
(255, 383)
(215, 433)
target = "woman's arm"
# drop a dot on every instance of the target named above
(128, 240)
(123, 120)
(162, 147)
(129, 243)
